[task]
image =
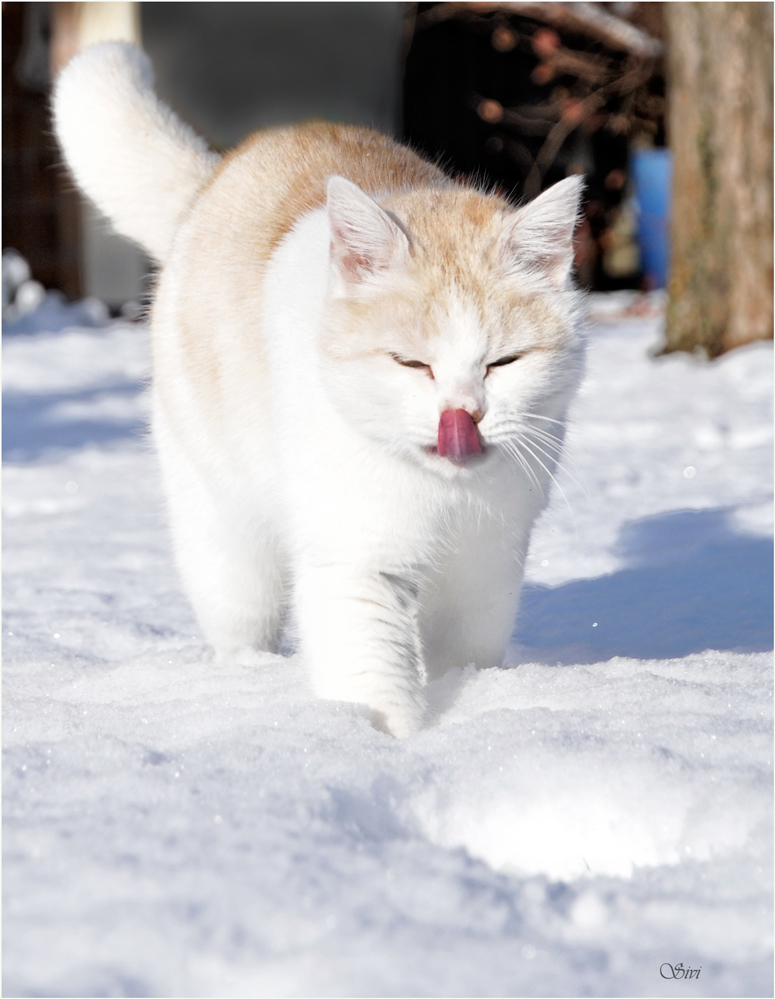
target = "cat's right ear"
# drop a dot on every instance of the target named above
(538, 238)
(365, 239)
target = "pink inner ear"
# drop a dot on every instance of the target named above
(458, 437)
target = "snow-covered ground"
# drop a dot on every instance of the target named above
(579, 825)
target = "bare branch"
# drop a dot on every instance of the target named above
(583, 109)
(580, 18)
(578, 64)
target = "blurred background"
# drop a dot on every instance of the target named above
(665, 108)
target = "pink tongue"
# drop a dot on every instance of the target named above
(458, 438)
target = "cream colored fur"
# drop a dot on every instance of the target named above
(307, 335)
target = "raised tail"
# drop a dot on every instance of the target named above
(127, 151)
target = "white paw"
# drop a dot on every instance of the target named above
(243, 655)
(400, 720)
(399, 712)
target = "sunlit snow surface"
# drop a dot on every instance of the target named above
(562, 828)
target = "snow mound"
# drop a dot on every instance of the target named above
(595, 771)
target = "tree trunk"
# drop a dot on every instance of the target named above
(720, 130)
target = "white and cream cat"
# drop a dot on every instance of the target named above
(361, 376)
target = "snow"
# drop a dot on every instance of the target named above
(176, 827)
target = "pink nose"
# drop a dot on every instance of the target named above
(458, 438)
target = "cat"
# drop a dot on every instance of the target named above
(361, 375)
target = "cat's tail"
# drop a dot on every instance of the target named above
(127, 151)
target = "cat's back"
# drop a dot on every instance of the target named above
(263, 187)
(256, 196)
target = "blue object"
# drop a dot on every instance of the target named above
(652, 171)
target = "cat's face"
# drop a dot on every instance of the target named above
(451, 326)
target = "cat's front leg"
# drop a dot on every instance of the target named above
(359, 634)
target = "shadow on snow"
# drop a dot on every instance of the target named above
(690, 583)
(31, 426)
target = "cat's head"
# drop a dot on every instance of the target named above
(451, 327)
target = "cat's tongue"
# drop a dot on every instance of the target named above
(458, 438)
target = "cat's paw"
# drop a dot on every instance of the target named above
(399, 712)
(242, 655)
(399, 721)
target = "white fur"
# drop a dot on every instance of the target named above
(402, 568)
(138, 162)
(320, 492)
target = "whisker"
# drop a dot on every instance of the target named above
(541, 435)
(552, 477)
(575, 429)
(560, 446)
(518, 430)
(513, 450)
(531, 471)
(566, 460)
(549, 419)
(546, 454)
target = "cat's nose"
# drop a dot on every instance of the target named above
(474, 409)
(468, 397)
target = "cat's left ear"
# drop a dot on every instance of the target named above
(365, 239)
(539, 237)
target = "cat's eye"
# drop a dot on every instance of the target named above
(411, 364)
(503, 361)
